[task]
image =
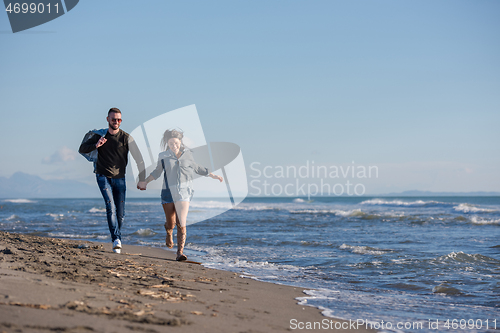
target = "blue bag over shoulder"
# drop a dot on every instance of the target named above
(92, 156)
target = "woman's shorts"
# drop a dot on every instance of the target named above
(183, 194)
(166, 196)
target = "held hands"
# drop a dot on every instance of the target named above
(142, 185)
(219, 178)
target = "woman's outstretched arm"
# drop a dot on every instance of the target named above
(211, 175)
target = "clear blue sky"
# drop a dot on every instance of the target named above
(412, 87)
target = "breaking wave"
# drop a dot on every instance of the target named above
(469, 208)
(364, 249)
(477, 220)
(462, 257)
(417, 203)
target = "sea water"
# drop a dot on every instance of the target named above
(398, 264)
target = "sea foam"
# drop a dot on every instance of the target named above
(56, 217)
(145, 232)
(417, 203)
(477, 220)
(19, 201)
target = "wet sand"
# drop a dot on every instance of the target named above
(58, 285)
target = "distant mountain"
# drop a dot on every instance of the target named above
(22, 185)
(415, 193)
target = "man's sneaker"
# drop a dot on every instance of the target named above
(117, 246)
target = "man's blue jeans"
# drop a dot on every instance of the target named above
(113, 192)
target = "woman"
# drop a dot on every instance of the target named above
(178, 167)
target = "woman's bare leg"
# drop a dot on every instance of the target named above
(171, 217)
(182, 209)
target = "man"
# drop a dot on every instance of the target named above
(112, 159)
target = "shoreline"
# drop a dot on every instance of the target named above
(66, 285)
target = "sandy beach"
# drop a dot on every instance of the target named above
(61, 285)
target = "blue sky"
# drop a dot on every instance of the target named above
(409, 86)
